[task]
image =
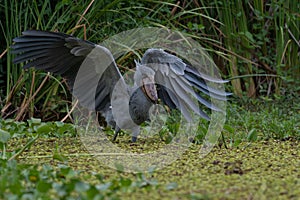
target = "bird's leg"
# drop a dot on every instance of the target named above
(135, 133)
(133, 139)
(117, 131)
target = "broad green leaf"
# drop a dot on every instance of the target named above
(44, 128)
(4, 136)
(81, 186)
(125, 182)
(43, 186)
(35, 120)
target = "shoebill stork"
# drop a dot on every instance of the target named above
(159, 75)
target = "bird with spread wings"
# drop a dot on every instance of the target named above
(92, 75)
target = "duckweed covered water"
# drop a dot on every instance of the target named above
(259, 170)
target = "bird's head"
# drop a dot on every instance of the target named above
(144, 77)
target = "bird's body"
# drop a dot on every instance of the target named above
(93, 78)
(139, 114)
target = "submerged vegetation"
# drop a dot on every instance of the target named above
(254, 43)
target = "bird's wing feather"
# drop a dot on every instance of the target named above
(180, 85)
(90, 69)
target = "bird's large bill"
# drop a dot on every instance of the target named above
(149, 89)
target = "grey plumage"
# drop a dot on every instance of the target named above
(90, 69)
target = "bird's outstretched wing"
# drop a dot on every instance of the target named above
(181, 86)
(90, 69)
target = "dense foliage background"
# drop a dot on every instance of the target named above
(255, 43)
